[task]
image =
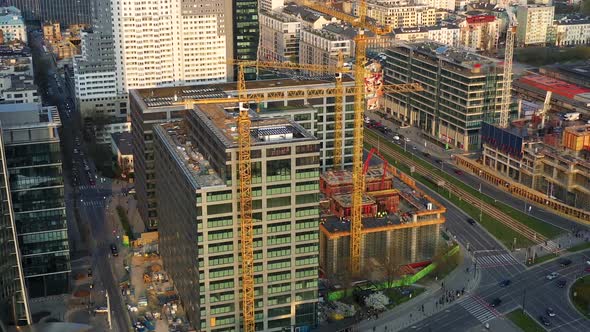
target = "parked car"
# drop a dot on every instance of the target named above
(544, 320)
(550, 312)
(505, 283)
(561, 283)
(552, 276)
(565, 262)
(426, 154)
(114, 250)
(101, 310)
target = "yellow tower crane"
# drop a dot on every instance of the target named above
(358, 179)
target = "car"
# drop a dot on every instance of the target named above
(496, 302)
(587, 262)
(587, 269)
(565, 262)
(550, 312)
(471, 221)
(426, 154)
(76, 151)
(101, 310)
(544, 320)
(114, 250)
(89, 272)
(438, 161)
(458, 172)
(406, 139)
(396, 138)
(504, 283)
(92, 182)
(552, 276)
(561, 283)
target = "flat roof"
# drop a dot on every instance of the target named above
(221, 119)
(191, 161)
(123, 142)
(554, 85)
(341, 177)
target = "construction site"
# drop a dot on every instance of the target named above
(400, 224)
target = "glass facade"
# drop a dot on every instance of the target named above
(11, 282)
(37, 190)
(246, 33)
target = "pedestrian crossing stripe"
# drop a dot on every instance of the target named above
(491, 261)
(479, 308)
(86, 187)
(93, 203)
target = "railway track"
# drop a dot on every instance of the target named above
(489, 209)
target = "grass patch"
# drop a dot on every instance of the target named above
(581, 300)
(124, 221)
(579, 247)
(542, 259)
(396, 297)
(541, 227)
(524, 321)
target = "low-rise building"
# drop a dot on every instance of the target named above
(577, 73)
(445, 34)
(12, 25)
(103, 133)
(279, 36)
(122, 149)
(402, 13)
(572, 31)
(321, 47)
(18, 90)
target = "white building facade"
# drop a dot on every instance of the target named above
(171, 42)
(12, 24)
(570, 31)
(534, 23)
(279, 37)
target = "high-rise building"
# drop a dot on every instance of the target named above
(65, 12)
(152, 106)
(32, 161)
(94, 70)
(198, 192)
(14, 305)
(245, 33)
(172, 42)
(534, 22)
(461, 89)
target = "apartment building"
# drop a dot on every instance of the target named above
(65, 12)
(32, 161)
(571, 31)
(174, 42)
(12, 25)
(480, 32)
(269, 5)
(462, 89)
(94, 70)
(197, 177)
(534, 23)
(309, 19)
(18, 90)
(322, 47)
(402, 13)
(447, 34)
(279, 37)
(153, 106)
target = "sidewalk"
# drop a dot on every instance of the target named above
(406, 314)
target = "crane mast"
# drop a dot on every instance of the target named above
(338, 110)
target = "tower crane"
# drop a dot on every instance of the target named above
(545, 109)
(508, 55)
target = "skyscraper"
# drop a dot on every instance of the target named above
(246, 33)
(32, 160)
(65, 12)
(171, 42)
(198, 192)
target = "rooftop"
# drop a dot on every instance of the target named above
(303, 12)
(456, 56)
(192, 163)
(11, 16)
(556, 86)
(573, 20)
(221, 119)
(343, 177)
(123, 142)
(26, 115)
(168, 96)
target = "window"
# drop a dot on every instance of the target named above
(307, 186)
(278, 201)
(278, 170)
(275, 152)
(278, 189)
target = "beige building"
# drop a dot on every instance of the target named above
(534, 22)
(122, 149)
(279, 37)
(402, 13)
(480, 32)
(448, 35)
(321, 47)
(570, 31)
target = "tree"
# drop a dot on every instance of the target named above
(391, 267)
(585, 8)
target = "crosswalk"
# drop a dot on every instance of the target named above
(86, 187)
(93, 203)
(551, 246)
(491, 261)
(479, 308)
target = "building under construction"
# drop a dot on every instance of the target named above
(401, 224)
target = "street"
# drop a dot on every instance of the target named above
(84, 192)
